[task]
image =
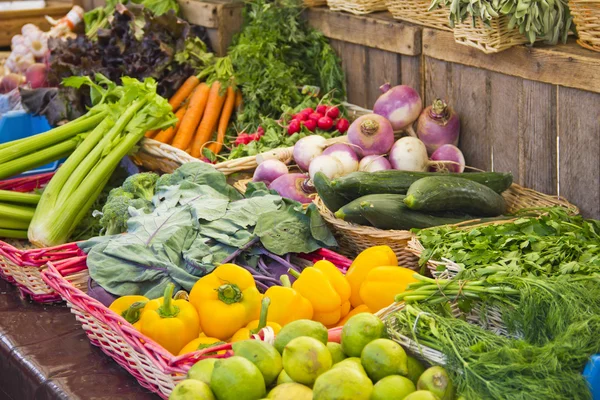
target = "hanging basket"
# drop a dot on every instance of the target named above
(357, 7)
(489, 39)
(417, 12)
(586, 16)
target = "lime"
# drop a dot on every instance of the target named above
(261, 354)
(421, 395)
(415, 369)
(300, 327)
(353, 363)
(337, 354)
(305, 358)
(202, 370)
(236, 378)
(191, 389)
(360, 330)
(284, 378)
(393, 387)
(291, 391)
(342, 384)
(383, 357)
(437, 381)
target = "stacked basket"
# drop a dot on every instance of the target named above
(586, 15)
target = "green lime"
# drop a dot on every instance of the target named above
(352, 362)
(202, 370)
(337, 354)
(236, 378)
(191, 389)
(383, 357)
(261, 354)
(393, 387)
(305, 358)
(421, 395)
(415, 369)
(437, 381)
(284, 378)
(300, 327)
(342, 384)
(360, 330)
(291, 391)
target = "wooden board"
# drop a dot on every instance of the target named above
(565, 65)
(377, 30)
(382, 67)
(356, 78)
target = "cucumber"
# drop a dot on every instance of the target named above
(351, 212)
(357, 184)
(436, 193)
(387, 212)
(332, 200)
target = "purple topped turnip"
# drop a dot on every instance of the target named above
(401, 105)
(371, 134)
(292, 186)
(269, 170)
(447, 158)
(438, 125)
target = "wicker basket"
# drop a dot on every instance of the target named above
(314, 3)
(490, 39)
(417, 12)
(355, 238)
(357, 7)
(586, 15)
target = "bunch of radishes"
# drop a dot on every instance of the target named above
(325, 118)
(245, 138)
(28, 56)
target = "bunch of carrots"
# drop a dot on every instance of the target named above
(201, 109)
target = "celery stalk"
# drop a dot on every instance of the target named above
(57, 135)
(13, 224)
(9, 196)
(13, 212)
(13, 233)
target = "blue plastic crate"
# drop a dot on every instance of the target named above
(16, 125)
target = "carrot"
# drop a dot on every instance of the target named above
(167, 135)
(192, 117)
(224, 121)
(183, 92)
(211, 116)
(150, 134)
(239, 100)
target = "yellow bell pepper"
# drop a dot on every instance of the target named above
(200, 344)
(130, 308)
(287, 304)
(170, 323)
(256, 326)
(226, 300)
(327, 290)
(376, 256)
(360, 309)
(383, 284)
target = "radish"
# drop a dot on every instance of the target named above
(321, 109)
(329, 165)
(342, 125)
(401, 105)
(36, 75)
(345, 155)
(447, 158)
(310, 124)
(292, 186)
(315, 116)
(438, 124)
(299, 117)
(293, 127)
(371, 134)
(374, 163)
(409, 154)
(307, 149)
(269, 170)
(332, 112)
(325, 123)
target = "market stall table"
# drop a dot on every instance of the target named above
(44, 354)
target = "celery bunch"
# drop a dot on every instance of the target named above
(127, 111)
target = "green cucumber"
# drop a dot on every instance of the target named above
(389, 212)
(352, 211)
(436, 193)
(332, 200)
(357, 184)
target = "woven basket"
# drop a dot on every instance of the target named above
(314, 3)
(490, 39)
(357, 7)
(417, 12)
(355, 238)
(586, 15)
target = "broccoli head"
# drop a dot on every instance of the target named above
(116, 192)
(115, 212)
(141, 185)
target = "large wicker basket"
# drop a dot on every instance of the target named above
(417, 12)
(355, 238)
(358, 7)
(490, 39)
(314, 3)
(586, 15)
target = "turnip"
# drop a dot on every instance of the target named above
(401, 105)
(374, 163)
(10, 82)
(292, 186)
(447, 158)
(409, 154)
(307, 148)
(438, 124)
(36, 75)
(269, 170)
(345, 155)
(328, 165)
(371, 134)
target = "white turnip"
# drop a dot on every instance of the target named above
(328, 165)
(374, 163)
(345, 155)
(409, 154)
(307, 148)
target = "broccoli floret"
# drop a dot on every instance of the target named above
(116, 192)
(141, 185)
(168, 180)
(116, 213)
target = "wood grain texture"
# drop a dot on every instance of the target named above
(438, 79)
(538, 131)
(411, 72)
(378, 30)
(579, 149)
(565, 65)
(354, 59)
(383, 66)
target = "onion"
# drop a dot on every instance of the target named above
(329, 165)
(409, 154)
(401, 105)
(450, 153)
(307, 148)
(372, 134)
(374, 163)
(292, 186)
(438, 124)
(269, 170)
(345, 155)
(97, 292)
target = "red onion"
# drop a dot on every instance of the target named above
(438, 124)
(401, 105)
(374, 163)
(409, 154)
(345, 155)
(269, 170)
(292, 186)
(447, 152)
(371, 134)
